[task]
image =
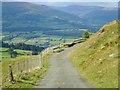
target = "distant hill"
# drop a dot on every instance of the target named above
(22, 16)
(95, 16)
(97, 58)
(78, 10)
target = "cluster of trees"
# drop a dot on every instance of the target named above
(12, 52)
(23, 46)
(34, 53)
(86, 35)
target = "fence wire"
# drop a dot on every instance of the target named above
(28, 65)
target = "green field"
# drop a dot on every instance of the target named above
(38, 38)
(18, 40)
(1, 37)
(36, 41)
(6, 55)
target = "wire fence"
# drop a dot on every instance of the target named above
(27, 65)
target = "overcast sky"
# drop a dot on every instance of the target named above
(61, 0)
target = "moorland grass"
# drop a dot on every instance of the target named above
(97, 58)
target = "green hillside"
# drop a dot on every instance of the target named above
(95, 16)
(97, 58)
(24, 16)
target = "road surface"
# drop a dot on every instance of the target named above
(62, 73)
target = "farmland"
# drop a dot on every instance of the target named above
(38, 38)
(6, 55)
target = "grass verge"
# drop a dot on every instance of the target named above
(30, 79)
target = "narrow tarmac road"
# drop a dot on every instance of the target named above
(62, 74)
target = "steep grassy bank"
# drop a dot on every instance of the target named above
(97, 58)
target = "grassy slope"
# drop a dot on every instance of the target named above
(97, 58)
(5, 64)
(26, 80)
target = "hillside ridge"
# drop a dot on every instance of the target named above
(97, 58)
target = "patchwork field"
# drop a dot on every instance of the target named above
(37, 38)
(6, 55)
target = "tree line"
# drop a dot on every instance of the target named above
(22, 46)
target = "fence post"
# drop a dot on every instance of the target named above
(18, 67)
(46, 50)
(31, 64)
(41, 59)
(11, 78)
(23, 66)
(39, 62)
(27, 68)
